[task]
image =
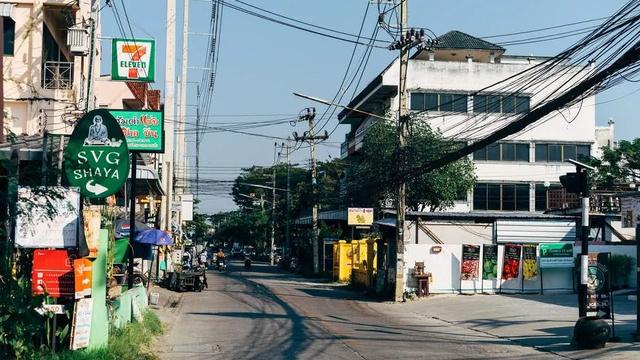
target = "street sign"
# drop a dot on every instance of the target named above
(83, 277)
(53, 273)
(97, 157)
(133, 60)
(55, 225)
(57, 309)
(81, 326)
(360, 216)
(556, 255)
(143, 129)
(598, 287)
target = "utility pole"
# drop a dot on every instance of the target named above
(198, 143)
(288, 234)
(2, 80)
(92, 54)
(311, 137)
(273, 204)
(169, 112)
(181, 153)
(402, 133)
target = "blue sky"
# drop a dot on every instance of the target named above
(262, 63)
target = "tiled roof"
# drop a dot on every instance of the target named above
(458, 40)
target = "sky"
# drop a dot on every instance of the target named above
(262, 63)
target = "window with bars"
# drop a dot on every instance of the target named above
(449, 102)
(501, 197)
(547, 152)
(503, 152)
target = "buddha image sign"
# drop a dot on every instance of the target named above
(143, 129)
(97, 156)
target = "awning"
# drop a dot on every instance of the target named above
(7, 10)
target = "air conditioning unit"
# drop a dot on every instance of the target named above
(78, 40)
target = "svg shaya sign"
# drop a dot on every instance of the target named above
(143, 129)
(97, 157)
(133, 60)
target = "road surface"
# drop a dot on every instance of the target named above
(269, 314)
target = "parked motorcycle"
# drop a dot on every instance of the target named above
(247, 264)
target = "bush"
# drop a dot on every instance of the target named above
(620, 267)
(20, 324)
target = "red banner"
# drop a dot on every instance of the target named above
(511, 261)
(470, 262)
(52, 273)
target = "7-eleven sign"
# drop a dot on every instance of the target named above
(133, 60)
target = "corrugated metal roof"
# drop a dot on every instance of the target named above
(458, 40)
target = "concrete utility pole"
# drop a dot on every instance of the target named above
(402, 134)
(181, 155)
(169, 114)
(2, 80)
(288, 234)
(273, 203)
(312, 138)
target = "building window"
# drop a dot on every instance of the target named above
(503, 152)
(507, 104)
(561, 152)
(514, 197)
(9, 35)
(449, 102)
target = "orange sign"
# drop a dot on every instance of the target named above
(82, 270)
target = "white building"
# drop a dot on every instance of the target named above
(44, 78)
(444, 85)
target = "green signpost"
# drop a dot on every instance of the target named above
(97, 156)
(143, 129)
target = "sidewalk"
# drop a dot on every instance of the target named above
(544, 322)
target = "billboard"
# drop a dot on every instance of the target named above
(143, 129)
(556, 255)
(133, 60)
(360, 216)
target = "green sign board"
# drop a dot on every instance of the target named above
(97, 158)
(556, 255)
(133, 60)
(143, 129)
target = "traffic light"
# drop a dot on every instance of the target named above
(574, 182)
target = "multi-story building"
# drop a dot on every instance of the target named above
(45, 79)
(445, 88)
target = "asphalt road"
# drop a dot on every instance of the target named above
(269, 314)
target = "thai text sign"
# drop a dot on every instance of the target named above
(52, 273)
(556, 255)
(598, 285)
(81, 329)
(97, 157)
(143, 129)
(360, 216)
(470, 262)
(48, 217)
(133, 60)
(83, 276)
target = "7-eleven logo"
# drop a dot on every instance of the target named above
(136, 52)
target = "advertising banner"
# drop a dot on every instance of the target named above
(529, 262)
(133, 60)
(82, 270)
(470, 262)
(489, 262)
(360, 216)
(143, 129)
(598, 285)
(53, 273)
(48, 217)
(511, 261)
(97, 157)
(556, 255)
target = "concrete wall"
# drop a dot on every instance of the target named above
(445, 269)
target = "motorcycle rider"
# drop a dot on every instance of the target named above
(220, 257)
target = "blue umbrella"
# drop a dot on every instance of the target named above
(154, 237)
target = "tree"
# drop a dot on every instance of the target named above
(372, 179)
(618, 166)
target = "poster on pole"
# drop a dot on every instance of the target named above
(489, 262)
(81, 327)
(556, 255)
(48, 217)
(470, 262)
(529, 262)
(598, 287)
(511, 261)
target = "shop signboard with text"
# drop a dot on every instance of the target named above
(133, 60)
(360, 216)
(143, 129)
(556, 255)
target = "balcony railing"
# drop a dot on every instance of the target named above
(57, 75)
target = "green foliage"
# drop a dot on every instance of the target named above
(620, 267)
(20, 324)
(617, 167)
(374, 177)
